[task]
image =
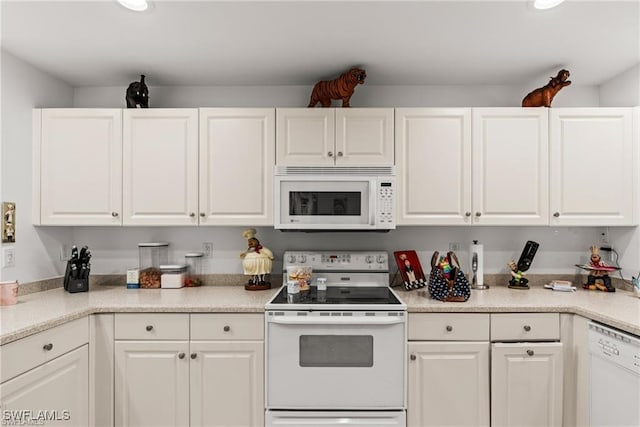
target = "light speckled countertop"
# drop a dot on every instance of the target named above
(42, 310)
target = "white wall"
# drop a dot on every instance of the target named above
(623, 90)
(23, 88)
(365, 96)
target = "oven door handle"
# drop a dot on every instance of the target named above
(303, 320)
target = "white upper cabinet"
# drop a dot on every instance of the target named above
(160, 166)
(335, 137)
(77, 166)
(237, 159)
(592, 166)
(433, 156)
(510, 166)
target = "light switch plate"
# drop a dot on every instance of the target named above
(8, 257)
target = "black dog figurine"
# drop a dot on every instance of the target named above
(137, 94)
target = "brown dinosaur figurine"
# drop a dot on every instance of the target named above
(543, 96)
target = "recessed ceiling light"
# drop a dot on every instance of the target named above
(137, 5)
(546, 4)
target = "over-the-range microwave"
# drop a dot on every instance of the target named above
(335, 198)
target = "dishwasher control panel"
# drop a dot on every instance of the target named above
(618, 347)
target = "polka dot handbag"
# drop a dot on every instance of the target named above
(447, 282)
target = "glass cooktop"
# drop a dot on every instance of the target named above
(353, 295)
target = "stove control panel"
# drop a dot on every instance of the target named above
(343, 260)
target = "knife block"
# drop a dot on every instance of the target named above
(76, 284)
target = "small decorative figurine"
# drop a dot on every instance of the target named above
(517, 280)
(598, 277)
(410, 270)
(543, 96)
(517, 270)
(341, 88)
(257, 262)
(137, 94)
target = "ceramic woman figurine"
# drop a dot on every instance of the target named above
(257, 262)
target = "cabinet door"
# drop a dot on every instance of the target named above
(448, 384)
(592, 166)
(305, 136)
(510, 166)
(433, 156)
(227, 383)
(57, 392)
(364, 136)
(526, 384)
(160, 167)
(151, 383)
(237, 159)
(78, 166)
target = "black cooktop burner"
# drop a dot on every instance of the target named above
(340, 295)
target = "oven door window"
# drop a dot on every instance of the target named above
(322, 203)
(332, 351)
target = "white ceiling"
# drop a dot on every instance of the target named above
(477, 42)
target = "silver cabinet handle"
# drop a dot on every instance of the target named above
(412, 357)
(530, 352)
(449, 328)
(478, 213)
(330, 153)
(227, 328)
(527, 328)
(149, 328)
(340, 154)
(467, 214)
(194, 355)
(181, 356)
(47, 347)
(556, 214)
(114, 214)
(192, 214)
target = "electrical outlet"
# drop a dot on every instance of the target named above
(604, 236)
(454, 246)
(65, 252)
(8, 257)
(207, 249)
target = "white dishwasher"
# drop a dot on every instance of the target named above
(615, 377)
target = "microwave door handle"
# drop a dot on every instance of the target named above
(300, 421)
(338, 320)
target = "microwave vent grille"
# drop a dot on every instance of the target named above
(336, 170)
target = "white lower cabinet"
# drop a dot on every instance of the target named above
(45, 377)
(448, 376)
(189, 370)
(526, 374)
(526, 384)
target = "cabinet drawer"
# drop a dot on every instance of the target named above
(152, 326)
(448, 327)
(227, 326)
(525, 327)
(20, 356)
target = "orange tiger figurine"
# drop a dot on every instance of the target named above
(341, 88)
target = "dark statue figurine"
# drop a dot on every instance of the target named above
(341, 88)
(137, 94)
(543, 96)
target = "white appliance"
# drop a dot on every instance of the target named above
(337, 357)
(335, 198)
(615, 377)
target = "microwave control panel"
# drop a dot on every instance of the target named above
(385, 203)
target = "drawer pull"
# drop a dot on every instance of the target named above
(530, 352)
(114, 214)
(413, 357)
(181, 356)
(47, 347)
(467, 213)
(330, 154)
(556, 214)
(478, 214)
(227, 328)
(192, 214)
(202, 214)
(149, 328)
(449, 328)
(194, 355)
(527, 328)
